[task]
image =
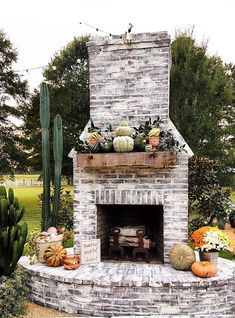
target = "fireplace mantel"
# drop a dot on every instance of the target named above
(161, 159)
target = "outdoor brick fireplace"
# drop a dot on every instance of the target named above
(131, 81)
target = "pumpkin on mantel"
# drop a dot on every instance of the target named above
(182, 256)
(123, 129)
(93, 138)
(123, 142)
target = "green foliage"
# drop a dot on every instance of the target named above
(11, 87)
(67, 75)
(65, 212)
(207, 200)
(29, 249)
(227, 255)
(168, 142)
(13, 294)
(202, 100)
(12, 235)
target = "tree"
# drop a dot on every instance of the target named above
(12, 88)
(201, 98)
(67, 77)
(207, 200)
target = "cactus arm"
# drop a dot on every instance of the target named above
(20, 214)
(45, 122)
(11, 196)
(3, 212)
(12, 235)
(3, 192)
(58, 157)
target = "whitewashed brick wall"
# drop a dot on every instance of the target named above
(131, 81)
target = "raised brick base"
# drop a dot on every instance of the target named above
(147, 290)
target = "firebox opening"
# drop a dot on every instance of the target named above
(129, 218)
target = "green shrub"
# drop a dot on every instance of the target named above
(207, 200)
(65, 212)
(13, 294)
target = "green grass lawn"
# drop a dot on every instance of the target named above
(28, 197)
(26, 177)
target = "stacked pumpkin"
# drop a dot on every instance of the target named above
(123, 142)
(182, 257)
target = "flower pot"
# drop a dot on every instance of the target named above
(209, 256)
(154, 142)
(41, 244)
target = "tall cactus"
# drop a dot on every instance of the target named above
(45, 123)
(12, 235)
(58, 156)
(48, 214)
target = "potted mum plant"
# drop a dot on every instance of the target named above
(208, 241)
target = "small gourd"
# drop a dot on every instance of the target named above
(123, 129)
(204, 269)
(93, 138)
(106, 146)
(54, 255)
(123, 144)
(71, 262)
(154, 132)
(140, 143)
(182, 256)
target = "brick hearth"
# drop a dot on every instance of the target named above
(133, 289)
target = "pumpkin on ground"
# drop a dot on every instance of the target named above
(204, 269)
(182, 256)
(54, 255)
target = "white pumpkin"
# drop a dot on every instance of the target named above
(123, 144)
(52, 230)
(123, 129)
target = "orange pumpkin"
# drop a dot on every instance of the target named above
(71, 262)
(204, 269)
(54, 255)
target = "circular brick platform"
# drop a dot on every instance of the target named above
(133, 289)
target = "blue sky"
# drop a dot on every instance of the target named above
(38, 29)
